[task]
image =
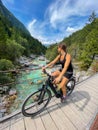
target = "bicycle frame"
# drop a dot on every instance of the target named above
(48, 83)
(43, 95)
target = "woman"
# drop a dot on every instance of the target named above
(66, 71)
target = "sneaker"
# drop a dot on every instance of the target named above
(63, 99)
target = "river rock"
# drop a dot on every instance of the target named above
(1, 104)
(12, 92)
(3, 110)
(1, 115)
(5, 88)
(39, 81)
(7, 105)
(13, 97)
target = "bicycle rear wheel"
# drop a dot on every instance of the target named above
(70, 86)
(35, 103)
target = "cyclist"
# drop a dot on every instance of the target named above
(65, 72)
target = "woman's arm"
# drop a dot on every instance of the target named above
(53, 62)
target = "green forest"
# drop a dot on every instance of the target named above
(15, 41)
(82, 44)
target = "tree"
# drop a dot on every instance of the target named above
(6, 64)
(92, 17)
(14, 50)
(3, 38)
(91, 49)
(51, 53)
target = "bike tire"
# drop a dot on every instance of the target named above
(70, 87)
(26, 110)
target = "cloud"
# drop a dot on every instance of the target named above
(31, 24)
(40, 31)
(71, 30)
(62, 18)
(61, 10)
(8, 1)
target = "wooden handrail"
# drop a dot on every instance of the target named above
(17, 70)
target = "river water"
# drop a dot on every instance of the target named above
(28, 82)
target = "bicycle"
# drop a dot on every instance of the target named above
(36, 102)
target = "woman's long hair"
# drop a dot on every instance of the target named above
(62, 46)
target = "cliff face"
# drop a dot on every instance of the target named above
(15, 22)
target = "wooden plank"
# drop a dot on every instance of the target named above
(19, 125)
(1, 126)
(16, 118)
(79, 102)
(91, 83)
(92, 98)
(38, 123)
(29, 123)
(72, 114)
(5, 124)
(85, 103)
(91, 93)
(89, 80)
(60, 119)
(47, 120)
(7, 128)
(92, 87)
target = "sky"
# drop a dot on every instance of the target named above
(50, 21)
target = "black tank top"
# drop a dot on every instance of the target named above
(70, 68)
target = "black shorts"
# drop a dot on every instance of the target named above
(67, 74)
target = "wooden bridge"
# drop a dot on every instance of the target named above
(77, 113)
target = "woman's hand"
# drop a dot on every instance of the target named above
(43, 68)
(57, 80)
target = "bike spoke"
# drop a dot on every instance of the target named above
(36, 102)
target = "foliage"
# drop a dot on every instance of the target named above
(13, 50)
(91, 48)
(5, 78)
(6, 64)
(92, 17)
(51, 52)
(95, 66)
(15, 42)
(82, 44)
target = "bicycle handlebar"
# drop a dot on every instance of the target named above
(45, 72)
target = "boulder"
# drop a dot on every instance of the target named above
(12, 92)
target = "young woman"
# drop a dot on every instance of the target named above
(66, 70)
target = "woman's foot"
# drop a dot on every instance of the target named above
(63, 99)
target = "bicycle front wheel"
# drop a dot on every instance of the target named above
(35, 103)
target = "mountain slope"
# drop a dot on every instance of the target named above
(82, 44)
(15, 22)
(15, 40)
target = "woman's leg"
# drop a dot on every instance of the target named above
(55, 73)
(63, 85)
